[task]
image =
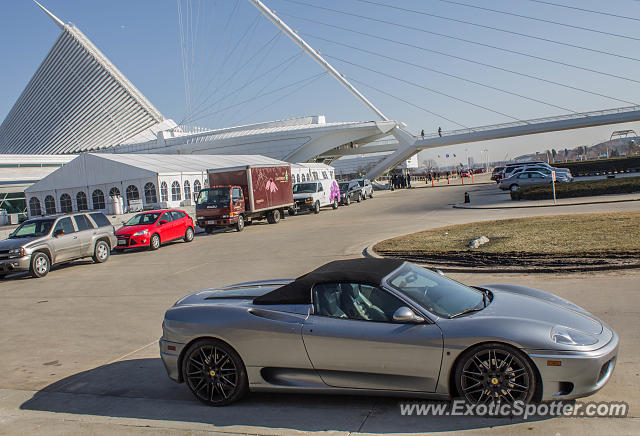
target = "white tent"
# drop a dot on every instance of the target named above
(101, 181)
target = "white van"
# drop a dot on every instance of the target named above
(314, 187)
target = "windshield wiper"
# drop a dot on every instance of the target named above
(464, 312)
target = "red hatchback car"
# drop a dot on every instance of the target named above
(153, 228)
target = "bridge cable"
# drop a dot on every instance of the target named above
(585, 10)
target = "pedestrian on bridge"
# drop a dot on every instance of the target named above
(440, 132)
(422, 133)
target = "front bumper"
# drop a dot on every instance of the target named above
(16, 264)
(126, 241)
(302, 205)
(170, 354)
(218, 222)
(581, 373)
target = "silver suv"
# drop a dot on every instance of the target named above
(39, 243)
(367, 188)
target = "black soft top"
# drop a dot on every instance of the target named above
(365, 270)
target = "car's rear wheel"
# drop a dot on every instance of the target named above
(188, 234)
(335, 203)
(514, 187)
(494, 372)
(240, 223)
(40, 265)
(154, 242)
(371, 195)
(101, 252)
(214, 372)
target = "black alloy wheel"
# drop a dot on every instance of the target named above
(214, 373)
(495, 372)
(240, 223)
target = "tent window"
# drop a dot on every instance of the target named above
(164, 192)
(187, 190)
(150, 193)
(175, 191)
(81, 201)
(50, 205)
(98, 199)
(132, 193)
(65, 203)
(196, 188)
(34, 206)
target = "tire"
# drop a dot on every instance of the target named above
(188, 234)
(347, 202)
(273, 217)
(293, 211)
(101, 252)
(364, 195)
(514, 187)
(482, 374)
(335, 203)
(240, 223)
(316, 207)
(371, 195)
(359, 197)
(40, 265)
(154, 242)
(209, 229)
(214, 373)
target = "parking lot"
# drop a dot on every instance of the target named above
(80, 345)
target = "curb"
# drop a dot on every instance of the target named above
(459, 205)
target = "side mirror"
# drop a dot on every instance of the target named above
(58, 232)
(406, 315)
(163, 222)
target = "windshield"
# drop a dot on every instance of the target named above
(361, 182)
(30, 229)
(217, 196)
(143, 218)
(305, 188)
(344, 186)
(434, 292)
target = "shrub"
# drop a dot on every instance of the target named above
(587, 167)
(579, 189)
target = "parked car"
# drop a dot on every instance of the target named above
(155, 227)
(384, 325)
(350, 191)
(39, 243)
(367, 188)
(561, 176)
(525, 178)
(465, 173)
(496, 174)
(314, 195)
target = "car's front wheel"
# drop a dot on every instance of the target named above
(154, 242)
(494, 372)
(101, 252)
(347, 202)
(214, 372)
(40, 265)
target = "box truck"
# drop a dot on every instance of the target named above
(240, 195)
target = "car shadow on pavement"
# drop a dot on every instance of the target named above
(140, 389)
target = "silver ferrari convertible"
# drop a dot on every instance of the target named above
(386, 327)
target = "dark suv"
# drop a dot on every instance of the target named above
(350, 191)
(39, 243)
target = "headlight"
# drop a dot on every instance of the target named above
(566, 336)
(141, 232)
(16, 252)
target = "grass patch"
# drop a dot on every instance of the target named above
(571, 235)
(583, 188)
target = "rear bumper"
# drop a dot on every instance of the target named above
(581, 373)
(16, 264)
(170, 354)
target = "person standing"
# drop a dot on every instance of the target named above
(408, 180)
(440, 132)
(422, 133)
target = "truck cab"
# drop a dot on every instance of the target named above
(220, 206)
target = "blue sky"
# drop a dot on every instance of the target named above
(233, 55)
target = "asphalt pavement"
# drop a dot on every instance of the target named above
(80, 351)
